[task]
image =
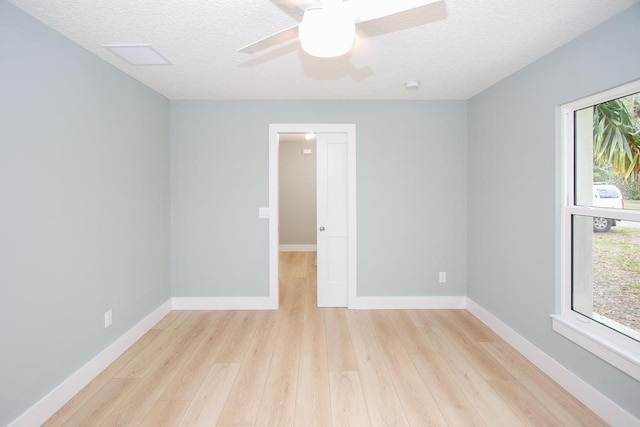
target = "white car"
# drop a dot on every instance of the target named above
(606, 196)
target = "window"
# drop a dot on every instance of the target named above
(600, 267)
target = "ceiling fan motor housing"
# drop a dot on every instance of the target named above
(327, 33)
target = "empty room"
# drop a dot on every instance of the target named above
(292, 212)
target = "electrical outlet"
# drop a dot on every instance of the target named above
(443, 277)
(108, 319)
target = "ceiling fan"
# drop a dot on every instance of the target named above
(327, 28)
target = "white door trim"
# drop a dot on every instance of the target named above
(274, 130)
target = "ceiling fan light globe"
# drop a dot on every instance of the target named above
(326, 33)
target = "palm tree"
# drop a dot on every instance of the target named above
(616, 136)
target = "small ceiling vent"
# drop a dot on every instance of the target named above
(138, 54)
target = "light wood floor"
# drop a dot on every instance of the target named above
(306, 366)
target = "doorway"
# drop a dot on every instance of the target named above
(297, 192)
(336, 169)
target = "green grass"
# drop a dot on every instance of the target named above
(611, 243)
(623, 230)
(619, 248)
(629, 264)
(616, 275)
(632, 288)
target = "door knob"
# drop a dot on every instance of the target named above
(321, 228)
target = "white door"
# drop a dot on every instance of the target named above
(332, 219)
(336, 192)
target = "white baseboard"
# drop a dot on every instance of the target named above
(360, 303)
(596, 401)
(56, 398)
(298, 248)
(584, 392)
(408, 303)
(224, 303)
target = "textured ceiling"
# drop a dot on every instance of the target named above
(456, 48)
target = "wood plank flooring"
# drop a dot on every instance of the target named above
(304, 366)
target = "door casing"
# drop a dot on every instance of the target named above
(274, 130)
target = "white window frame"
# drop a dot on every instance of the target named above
(614, 347)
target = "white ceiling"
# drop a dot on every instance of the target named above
(456, 48)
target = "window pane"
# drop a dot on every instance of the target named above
(607, 154)
(606, 274)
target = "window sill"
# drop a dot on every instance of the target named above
(613, 347)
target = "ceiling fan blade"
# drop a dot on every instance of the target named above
(289, 8)
(367, 10)
(272, 40)
(300, 4)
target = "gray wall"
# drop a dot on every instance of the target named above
(84, 224)
(513, 190)
(297, 209)
(411, 193)
(84, 180)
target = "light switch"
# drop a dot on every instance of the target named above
(307, 151)
(263, 213)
